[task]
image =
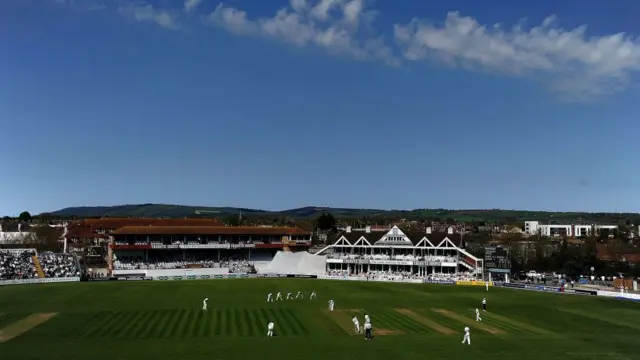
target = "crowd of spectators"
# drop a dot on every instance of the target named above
(235, 265)
(402, 275)
(401, 257)
(58, 265)
(17, 264)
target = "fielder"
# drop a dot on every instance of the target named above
(467, 336)
(289, 296)
(331, 304)
(366, 318)
(484, 304)
(270, 327)
(278, 296)
(478, 318)
(270, 297)
(486, 283)
(204, 304)
(313, 295)
(299, 295)
(356, 324)
(367, 330)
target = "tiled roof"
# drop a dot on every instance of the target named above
(81, 232)
(208, 230)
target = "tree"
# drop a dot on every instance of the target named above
(325, 221)
(24, 216)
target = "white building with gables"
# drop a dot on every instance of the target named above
(395, 250)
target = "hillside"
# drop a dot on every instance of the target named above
(493, 215)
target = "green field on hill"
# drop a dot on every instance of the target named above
(163, 320)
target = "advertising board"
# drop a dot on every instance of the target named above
(473, 283)
(38, 281)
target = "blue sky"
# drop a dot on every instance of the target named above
(277, 104)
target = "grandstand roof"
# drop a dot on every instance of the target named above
(415, 236)
(208, 230)
(115, 223)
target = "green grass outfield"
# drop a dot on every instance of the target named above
(163, 320)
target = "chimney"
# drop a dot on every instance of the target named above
(428, 229)
(348, 229)
(367, 229)
(450, 230)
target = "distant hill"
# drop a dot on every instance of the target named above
(310, 212)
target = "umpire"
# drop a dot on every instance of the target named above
(367, 331)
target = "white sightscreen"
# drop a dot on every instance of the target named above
(299, 263)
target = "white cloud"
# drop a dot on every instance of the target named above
(568, 62)
(571, 63)
(191, 5)
(330, 24)
(147, 13)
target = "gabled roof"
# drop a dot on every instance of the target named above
(415, 237)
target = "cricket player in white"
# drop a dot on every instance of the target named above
(331, 304)
(478, 318)
(270, 328)
(270, 297)
(299, 295)
(313, 295)
(486, 283)
(204, 304)
(289, 296)
(367, 330)
(467, 336)
(484, 304)
(278, 296)
(356, 324)
(366, 318)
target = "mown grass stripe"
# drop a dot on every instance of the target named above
(155, 317)
(447, 321)
(182, 320)
(508, 325)
(218, 329)
(238, 325)
(248, 323)
(166, 322)
(228, 322)
(131, 322)
(329, 324)
(408, 323)
(286, 321)
(479, 325)
(117, 327)
(143, 324)
(65, 326)
(386, 322)
(202, 323)
(96, 327)
(297, 321)
(258, 324)
(104, 330)
(189, 323)
(211, 326)
(172, 324)
(281, 327)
